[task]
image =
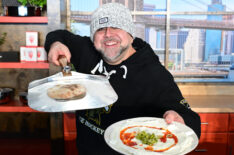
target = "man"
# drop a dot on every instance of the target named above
(144, 86)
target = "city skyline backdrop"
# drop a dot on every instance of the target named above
(216, 42)
(191, 49)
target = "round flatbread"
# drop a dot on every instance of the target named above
(67, 91)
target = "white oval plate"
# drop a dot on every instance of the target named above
(187, 139)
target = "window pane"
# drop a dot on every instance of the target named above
(82, 29)
(201, 49)
(154, 33)
(155, 5)
(154, 26)
(202, 5)
(81, 5)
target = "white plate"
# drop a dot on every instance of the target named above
(187, 139)
(99, 93)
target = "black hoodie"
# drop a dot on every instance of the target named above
(144, 87)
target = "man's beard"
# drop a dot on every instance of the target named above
(113, 59)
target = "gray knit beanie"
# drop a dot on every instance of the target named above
(112, 15)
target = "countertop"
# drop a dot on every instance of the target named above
(198, 103)
(211, 103)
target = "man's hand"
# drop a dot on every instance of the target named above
(57, 49)
(171, 116)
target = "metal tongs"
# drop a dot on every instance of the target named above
(65, 65)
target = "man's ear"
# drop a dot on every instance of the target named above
(132, 39)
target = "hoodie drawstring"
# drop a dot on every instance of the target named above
(125, 71)
(102, 69)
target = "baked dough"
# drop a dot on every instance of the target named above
(67, 91)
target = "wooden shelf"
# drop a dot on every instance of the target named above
(15, 106)
(36, 20)
(26, 65)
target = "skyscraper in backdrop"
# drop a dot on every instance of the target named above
(228, 38)
(213, 37)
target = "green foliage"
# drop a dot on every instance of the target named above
(23, 2)
(38, 3)
(3, 38)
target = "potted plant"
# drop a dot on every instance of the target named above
(38, 4)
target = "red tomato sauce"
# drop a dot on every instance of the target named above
(126, 138)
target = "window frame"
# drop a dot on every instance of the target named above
(168, 13)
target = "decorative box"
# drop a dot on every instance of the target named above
(41, 54)
(23, 53)
(31, 54)
(31, 38)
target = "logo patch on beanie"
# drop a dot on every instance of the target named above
(103, 20)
